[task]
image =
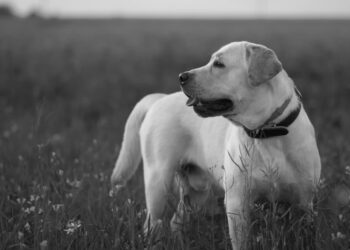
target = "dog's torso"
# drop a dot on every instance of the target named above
(279, 168)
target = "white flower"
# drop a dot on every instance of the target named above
(74, 183)
(60, 172)
(341, 235)
(20, 235)
(40, 211)
(29, 210)
(34, 197)
(69, 195)
(110, 193)
(21, 200)
(338, 235)
(322, 183)
(347, 170)
(27, 227)
(259, 238)
(340, 216)
(72, 226)
(43, 245)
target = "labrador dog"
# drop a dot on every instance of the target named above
(238, 124)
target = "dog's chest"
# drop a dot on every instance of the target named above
(270, 169)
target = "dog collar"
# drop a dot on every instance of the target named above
(278, 129)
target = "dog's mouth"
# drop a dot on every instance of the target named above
(207, 108)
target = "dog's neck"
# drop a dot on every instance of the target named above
(283, 101)
(288, 102)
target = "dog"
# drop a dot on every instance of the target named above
(238, 125)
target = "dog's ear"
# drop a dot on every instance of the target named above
(262, 62)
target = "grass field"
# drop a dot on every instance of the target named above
(66, 88)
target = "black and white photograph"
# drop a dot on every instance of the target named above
(175, 124)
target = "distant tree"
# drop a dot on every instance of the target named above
(6, 11)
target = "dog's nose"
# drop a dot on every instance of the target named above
(183, 78)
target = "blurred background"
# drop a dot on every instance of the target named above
(71, 71)
(181, 8)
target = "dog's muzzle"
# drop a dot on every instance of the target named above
(204, 108)
(207, 108)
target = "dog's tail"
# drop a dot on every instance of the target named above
(130, 152)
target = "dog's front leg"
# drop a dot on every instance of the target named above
(237, 216)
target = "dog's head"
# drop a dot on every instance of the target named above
(234, 83)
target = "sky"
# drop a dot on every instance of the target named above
(185, 8)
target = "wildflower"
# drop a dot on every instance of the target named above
(340, 216)
(259, 238)
(69, 195)
(72, 226)
(74, 183)
(34, 198)
(27, 210)
(322, 183)
(347, 170)
(115, 209)
(20, 235)
(43, 245)
(341, 235)
(21, 200)
(60, 172)
(110, 193)
(57, 207)
(27, 227)
(40, 211)
(338, 235)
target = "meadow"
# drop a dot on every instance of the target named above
(67, 87)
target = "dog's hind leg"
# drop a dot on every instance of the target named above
(194, 191)
(158, 186)
(181, 216)
(190, 202)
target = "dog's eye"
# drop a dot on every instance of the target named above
(218, 64)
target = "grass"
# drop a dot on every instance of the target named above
(66, 88)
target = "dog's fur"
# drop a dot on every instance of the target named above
(216, 150)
